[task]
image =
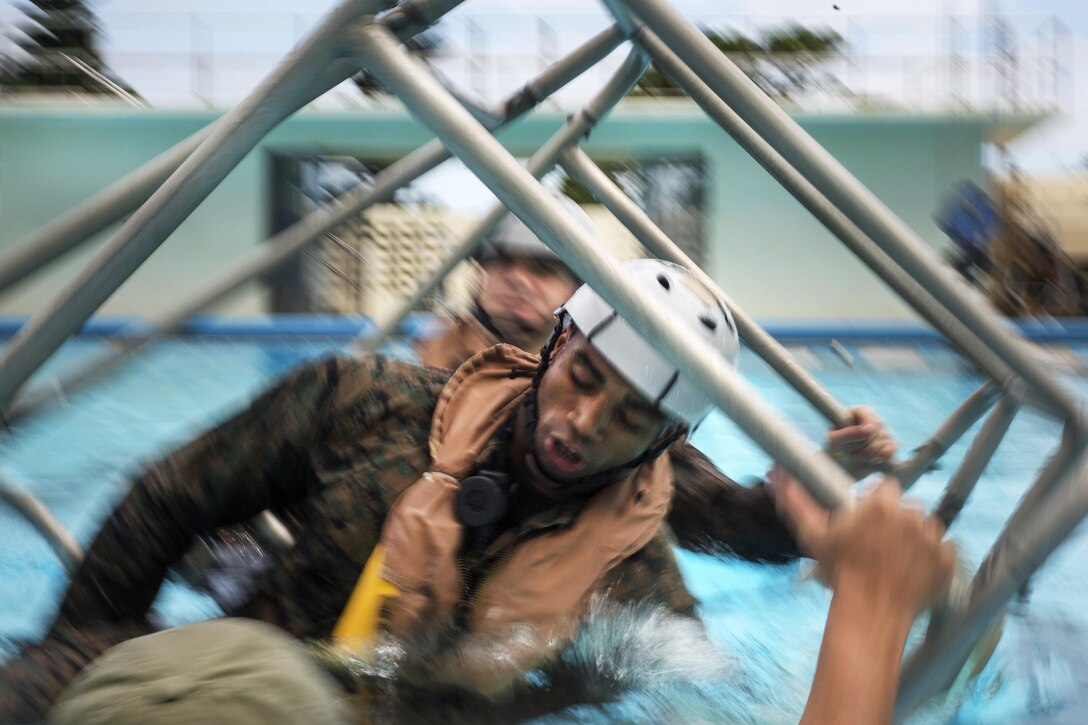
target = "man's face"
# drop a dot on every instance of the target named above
(589, 419)
(519, 295)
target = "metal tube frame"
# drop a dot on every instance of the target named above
(543, 161)
(582, 168)
(860, 205)
(516, 188)
(1056, 503)
(277, 250)
(1021, 548)
(993, 347)
(820, 207)
(966, 415)
(974, 463)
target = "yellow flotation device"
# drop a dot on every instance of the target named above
(357, 627)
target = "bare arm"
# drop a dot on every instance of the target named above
(885, 563)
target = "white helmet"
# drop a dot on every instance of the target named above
(513, 238)
(636, 359)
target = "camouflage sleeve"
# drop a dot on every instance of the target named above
(651, 575)
(258, 459)
(713, 514)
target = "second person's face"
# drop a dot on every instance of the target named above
(520, 295)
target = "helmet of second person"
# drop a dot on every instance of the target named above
(523, 281)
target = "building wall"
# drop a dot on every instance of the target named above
(767, 251)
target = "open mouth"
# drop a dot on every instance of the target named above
(561, 457)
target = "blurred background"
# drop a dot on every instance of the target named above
(963, 116)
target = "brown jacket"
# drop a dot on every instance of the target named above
(536, 593)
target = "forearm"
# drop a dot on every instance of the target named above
(858, 667)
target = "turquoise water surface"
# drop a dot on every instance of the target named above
(765, 622)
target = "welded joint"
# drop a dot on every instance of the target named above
(625, 19)
(413, 16)
(532, 93)
(405, 21)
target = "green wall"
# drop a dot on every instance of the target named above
(763, 247)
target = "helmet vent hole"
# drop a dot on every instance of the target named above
(708, 321)
(663, 280)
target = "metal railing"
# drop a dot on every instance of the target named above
(350, 38)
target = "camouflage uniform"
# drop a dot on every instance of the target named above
(328, 450)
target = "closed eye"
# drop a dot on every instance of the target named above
(582, 381)
(626, 421)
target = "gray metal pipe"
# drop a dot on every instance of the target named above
(543, 161)
(276, 251)
(977, 403)
(80, 224)
(974, 463)
(60, 539)
(1072, 445)
(579, 165)
(811, 198)
(848, 194)
(230, 140)
(522, 194)
(110, 205)
(1019, 551)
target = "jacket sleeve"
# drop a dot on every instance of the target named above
(257, 460)
(713, 514)
(651, 576)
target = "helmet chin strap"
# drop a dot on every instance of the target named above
(485, 319)
(584, 485)
(488, 323)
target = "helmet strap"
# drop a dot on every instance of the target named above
(485, 319)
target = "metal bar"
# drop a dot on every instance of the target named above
(80, 224)
(820, 207)
(63, 543)
(83, 222)
(974, 463)
(1019, 551)
(977, 403)
(1072, 445)
(231, 139)
(849, 195)
(583, 168)
(523, 195)
(543, 161)
(411, 17)
(276, 251)
(116, 89)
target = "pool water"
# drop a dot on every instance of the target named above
(765, 622)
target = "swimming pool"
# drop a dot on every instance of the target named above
(766, 621)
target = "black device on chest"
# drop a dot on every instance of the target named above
(481, 503)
